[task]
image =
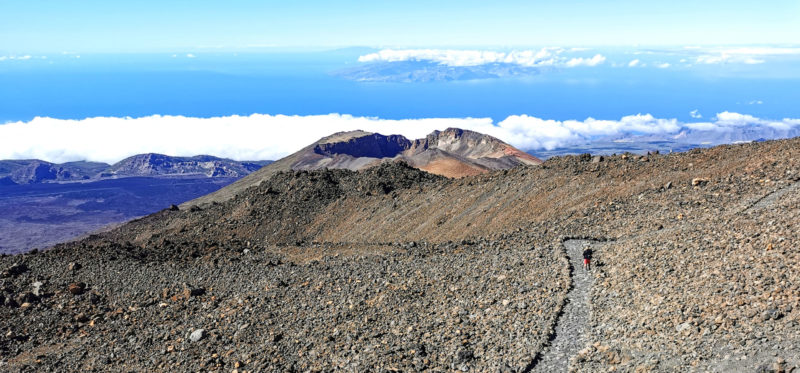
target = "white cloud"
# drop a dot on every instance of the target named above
(695, 114)
(457, 57)
(18, 58)
(594, 61)
(634, 63)
(753, 61)
(663, 65)
(189, 55)
(260, 136)
(745, 55)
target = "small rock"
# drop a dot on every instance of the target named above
(174, 207)
(37, 288)
(197, 335)
(464, 355)
(597, 159)
(26, 297)
(10, 302)
(74, 266)
(699, 181)
(76, 288)
(190, 291)
(779, 365)
(15, 270)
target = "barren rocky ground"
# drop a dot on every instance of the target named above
(391, 268)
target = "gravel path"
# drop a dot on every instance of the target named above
(571, 327)
(770, 199)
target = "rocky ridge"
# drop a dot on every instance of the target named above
(14, 172)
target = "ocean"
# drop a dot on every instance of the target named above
(207, 84)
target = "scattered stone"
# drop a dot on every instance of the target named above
(15, 270)
(37, 288)
(698, 181)
(197, 335)
(76, 288)
(190, 291)
(82, 318)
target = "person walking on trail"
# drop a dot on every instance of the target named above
(587, 259)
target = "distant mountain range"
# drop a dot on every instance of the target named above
(427, 71)
(453, 153)
(16, 172)
(43, 203)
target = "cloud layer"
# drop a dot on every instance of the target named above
(744, 55)
(461, 58)
(259, 136)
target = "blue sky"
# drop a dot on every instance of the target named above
(38, 26)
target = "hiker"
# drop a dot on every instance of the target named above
(587, 258)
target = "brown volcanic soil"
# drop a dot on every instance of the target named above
(451, 168)
(392, 268)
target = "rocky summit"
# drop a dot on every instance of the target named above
(391, 268)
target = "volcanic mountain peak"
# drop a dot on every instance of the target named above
(453, 153)
(472, 145)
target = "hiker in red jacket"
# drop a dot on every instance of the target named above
(587, 259)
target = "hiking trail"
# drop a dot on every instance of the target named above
(571, 328)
